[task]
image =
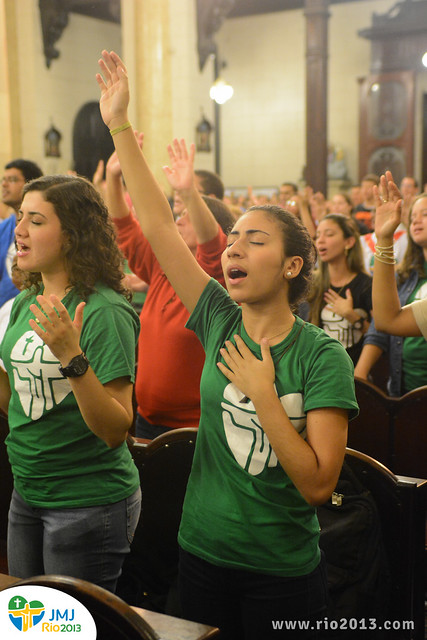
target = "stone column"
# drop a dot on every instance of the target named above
(316, 13)
(9, 85)
(147, 54)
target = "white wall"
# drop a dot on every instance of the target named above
(190, 86)
(263, 139)
(56, 94)
(263, 125)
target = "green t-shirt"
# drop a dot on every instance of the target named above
(241, 509)
(57, 461)
(414, 357)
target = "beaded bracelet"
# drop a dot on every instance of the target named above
(122, 127)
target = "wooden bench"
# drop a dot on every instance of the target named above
(401, 503)
(149, 576)
(116, 620)
(391, 430)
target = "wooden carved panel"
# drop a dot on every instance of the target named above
(387, 124)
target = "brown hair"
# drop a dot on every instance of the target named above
(413, 260)
(91, 252)
(354, 259)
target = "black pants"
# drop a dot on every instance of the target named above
(253, 606)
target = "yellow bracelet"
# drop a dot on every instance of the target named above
(385, 259)
(125, 125)
(384, 252)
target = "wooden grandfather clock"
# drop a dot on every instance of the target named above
(387, 124)
(387, 96)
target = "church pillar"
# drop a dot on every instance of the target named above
(316, 13)
(9, 86)
(147, 54)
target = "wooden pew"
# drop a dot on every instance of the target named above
(116, 620)
(401, 503)
(410, 434)
(391, 430)
(149, 577)
(370, 430)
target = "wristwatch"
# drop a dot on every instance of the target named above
(76, 367)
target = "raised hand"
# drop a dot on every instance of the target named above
(54, 326)
(113, 164)
(98, 176)
(114, 89)
(388, 202)
(180, 174)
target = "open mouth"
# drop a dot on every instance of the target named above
(22, 250)
(235, 274)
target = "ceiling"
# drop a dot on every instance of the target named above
(253, 7)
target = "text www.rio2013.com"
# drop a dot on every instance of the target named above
(351, 624)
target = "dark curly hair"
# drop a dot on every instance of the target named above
(90, 249)
(296, 242)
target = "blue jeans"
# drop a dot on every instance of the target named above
(144, 429)
(87, 542)
(245, 605)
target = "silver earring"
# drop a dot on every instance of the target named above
(289, 274)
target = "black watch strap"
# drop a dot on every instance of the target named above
(76, 367)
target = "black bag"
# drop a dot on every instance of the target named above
(358, 573)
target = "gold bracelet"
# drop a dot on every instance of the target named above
(384, 252)
(385, 259)
(125, 125)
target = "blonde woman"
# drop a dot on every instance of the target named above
(340, 300)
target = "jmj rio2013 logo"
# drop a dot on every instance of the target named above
(41, 611)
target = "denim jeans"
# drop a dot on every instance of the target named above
(87, 542)
(246, 605)
(144, 429)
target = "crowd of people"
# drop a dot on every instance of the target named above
(259, 312)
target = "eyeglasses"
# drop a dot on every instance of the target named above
(12, 179)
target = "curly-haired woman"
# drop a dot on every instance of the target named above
(69, 358)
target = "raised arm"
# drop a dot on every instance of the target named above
(151, 206)
(180, 176)
(114, 189)
(369, 356)
(389, 316)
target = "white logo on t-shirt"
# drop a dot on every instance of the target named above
(36, 374)
(245, 437)
(421, 293)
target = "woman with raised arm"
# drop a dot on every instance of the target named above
(389, 316)
(69, 355)
(167, 386)
(273, 427)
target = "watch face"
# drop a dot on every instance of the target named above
(80, 366)
(77, 367)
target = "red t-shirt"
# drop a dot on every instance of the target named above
(170, 357)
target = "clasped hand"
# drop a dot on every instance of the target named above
(245, 370)
(54, 326)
